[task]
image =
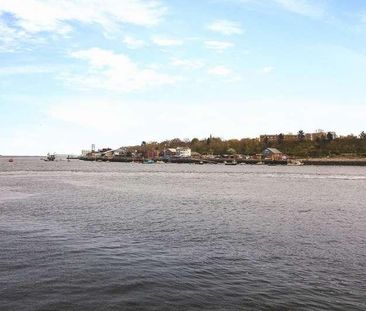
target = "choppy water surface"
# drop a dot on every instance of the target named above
(111, 236)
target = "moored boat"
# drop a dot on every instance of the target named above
(199, 163)
(231, 163)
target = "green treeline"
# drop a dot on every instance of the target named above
(323, 147)
(320, 147)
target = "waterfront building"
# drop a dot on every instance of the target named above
(183, 152)
(170, 152)
(151, 154)
(274, 154)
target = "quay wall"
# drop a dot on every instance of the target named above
(330, 162)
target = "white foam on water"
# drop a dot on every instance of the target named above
(7, 193)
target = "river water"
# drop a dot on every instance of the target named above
(111, 236)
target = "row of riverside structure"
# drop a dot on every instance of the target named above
(185, 155)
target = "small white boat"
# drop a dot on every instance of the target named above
(231, 163)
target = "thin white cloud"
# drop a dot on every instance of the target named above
(220, 71)
(309, 8)
(155, 66)
(11, 38)
(188, 63)
(54, 15)
(267, 70)
(117, 72)
(164, 41)
(226, 27)
(15, 70)
(219, 46)
(133, 43)
(302, 7)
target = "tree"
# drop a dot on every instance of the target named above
(176, 142)
(208, 141)
(194, 141)
(280, 138)
(363, 135)
(143, 145)
(231, 151)
(330, 136)
(301, 135)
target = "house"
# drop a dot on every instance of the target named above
(170, 152)
(183, 152)
(151, 154)
(273, 154)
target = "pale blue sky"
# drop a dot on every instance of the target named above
(114, 73)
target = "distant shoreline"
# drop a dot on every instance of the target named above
(308, 161)
(305, 161)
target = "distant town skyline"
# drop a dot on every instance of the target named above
(115, 73)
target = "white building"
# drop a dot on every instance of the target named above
(183, 152)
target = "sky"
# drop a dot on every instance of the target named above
(114, 73)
